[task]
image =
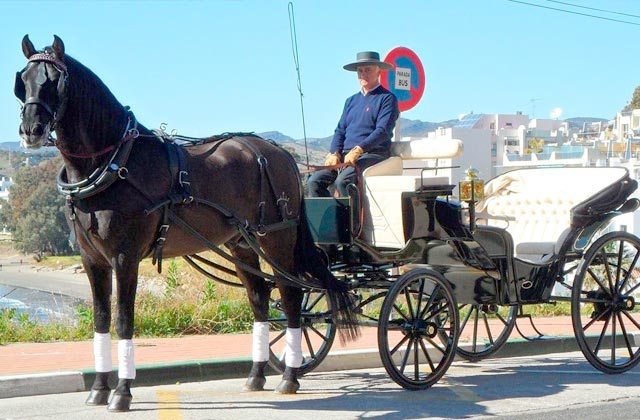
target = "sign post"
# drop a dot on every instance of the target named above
(406, 80)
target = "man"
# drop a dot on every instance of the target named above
(363, 135)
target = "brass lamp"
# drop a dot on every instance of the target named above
(471, 190)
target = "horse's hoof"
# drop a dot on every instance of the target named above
(255, 384)
(120, 403)
(98, 397)
(288, 386)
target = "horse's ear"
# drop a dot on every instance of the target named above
(27, 47)
(58, 47)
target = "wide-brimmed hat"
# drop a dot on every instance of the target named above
(366, 58)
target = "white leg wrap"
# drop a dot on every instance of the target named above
(102, 352)
(260, 350)
(126, 363)
(293, 350)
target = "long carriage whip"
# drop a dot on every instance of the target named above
(296, 61)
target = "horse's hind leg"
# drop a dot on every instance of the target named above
(258, 293)
(291, 303)
(100, 279)
(127, 280)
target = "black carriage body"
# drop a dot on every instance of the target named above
(479, 265)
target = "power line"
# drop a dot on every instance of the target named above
(575, 13)
(593, 8)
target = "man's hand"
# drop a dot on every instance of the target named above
(332, 159)
(353, 155)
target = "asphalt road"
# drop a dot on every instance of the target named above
(548, 386)
(62, 282)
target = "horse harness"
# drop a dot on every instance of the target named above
(180, 193)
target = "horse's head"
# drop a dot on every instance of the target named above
(41, 87)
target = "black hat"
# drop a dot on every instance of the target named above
(366, 58)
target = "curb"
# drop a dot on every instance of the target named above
(207, 370)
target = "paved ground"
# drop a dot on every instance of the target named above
(549, 386)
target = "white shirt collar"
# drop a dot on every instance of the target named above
(364, 93)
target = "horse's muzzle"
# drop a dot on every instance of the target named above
(33, 135)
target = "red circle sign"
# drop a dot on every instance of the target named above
(407, 80)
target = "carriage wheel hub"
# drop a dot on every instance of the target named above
(431, 329)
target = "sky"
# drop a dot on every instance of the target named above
(207, 67)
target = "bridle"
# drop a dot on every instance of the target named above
(56, 114)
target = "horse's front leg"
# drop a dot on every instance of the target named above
(258, 293)
(100, 280)
(292, 303)
(127, 281)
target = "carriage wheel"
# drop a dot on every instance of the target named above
(418, 330)
(318, 332)
(604, 303)
(484, 329)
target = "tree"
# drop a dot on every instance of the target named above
(635, 100)
(37, 210)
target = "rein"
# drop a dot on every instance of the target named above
(314, 168)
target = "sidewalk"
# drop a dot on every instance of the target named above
(42, 368)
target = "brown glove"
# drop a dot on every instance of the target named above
(332, 159)
(353, 155)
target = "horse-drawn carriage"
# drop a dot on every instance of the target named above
(399, 253)
(440, 268)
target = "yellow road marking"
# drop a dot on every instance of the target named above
(168, 405)
(462, 391)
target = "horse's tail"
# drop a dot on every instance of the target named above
(309, 262)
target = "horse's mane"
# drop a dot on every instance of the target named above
(89, 99)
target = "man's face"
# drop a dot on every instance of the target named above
(368, 76)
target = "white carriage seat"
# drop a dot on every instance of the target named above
(537, 203)
(384, 184)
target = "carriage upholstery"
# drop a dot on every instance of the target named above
(534, 205)
(385, 183)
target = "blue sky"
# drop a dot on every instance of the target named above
(205, 67)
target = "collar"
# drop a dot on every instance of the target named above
(365, 93)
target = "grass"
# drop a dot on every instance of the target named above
(177, 302)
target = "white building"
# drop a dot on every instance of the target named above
(5, 184)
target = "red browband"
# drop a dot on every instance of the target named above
(49, 59)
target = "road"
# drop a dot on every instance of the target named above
(542, 387)
(62, 282)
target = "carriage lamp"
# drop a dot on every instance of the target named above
(471, 190)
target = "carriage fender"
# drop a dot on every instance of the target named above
(469, 285)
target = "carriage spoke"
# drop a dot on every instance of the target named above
(397, 308)
(597, 280)
(628, 275)
(475, 328)
(590, 323)
(607, 269)
(416, 360)
(602, 334)
(486, 323)
(631, 319)
(624, 334)
(466, 318)
(395, 349)
(434, 344)
(619, 267)
(426, 354)
(309, 345)
(501, 318)
(613, 339)
(419, 298)
(314, 303)
(427, 307)
(320, 334)
(278, 337)
(437, 311)
(409, 304)
(633, 289)
(405, 358)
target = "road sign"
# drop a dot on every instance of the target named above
(407, 80)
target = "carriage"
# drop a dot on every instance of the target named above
(400, 253)
(439, 267)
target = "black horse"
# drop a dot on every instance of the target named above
(132, 194)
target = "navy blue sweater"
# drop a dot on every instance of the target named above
(367, 121)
